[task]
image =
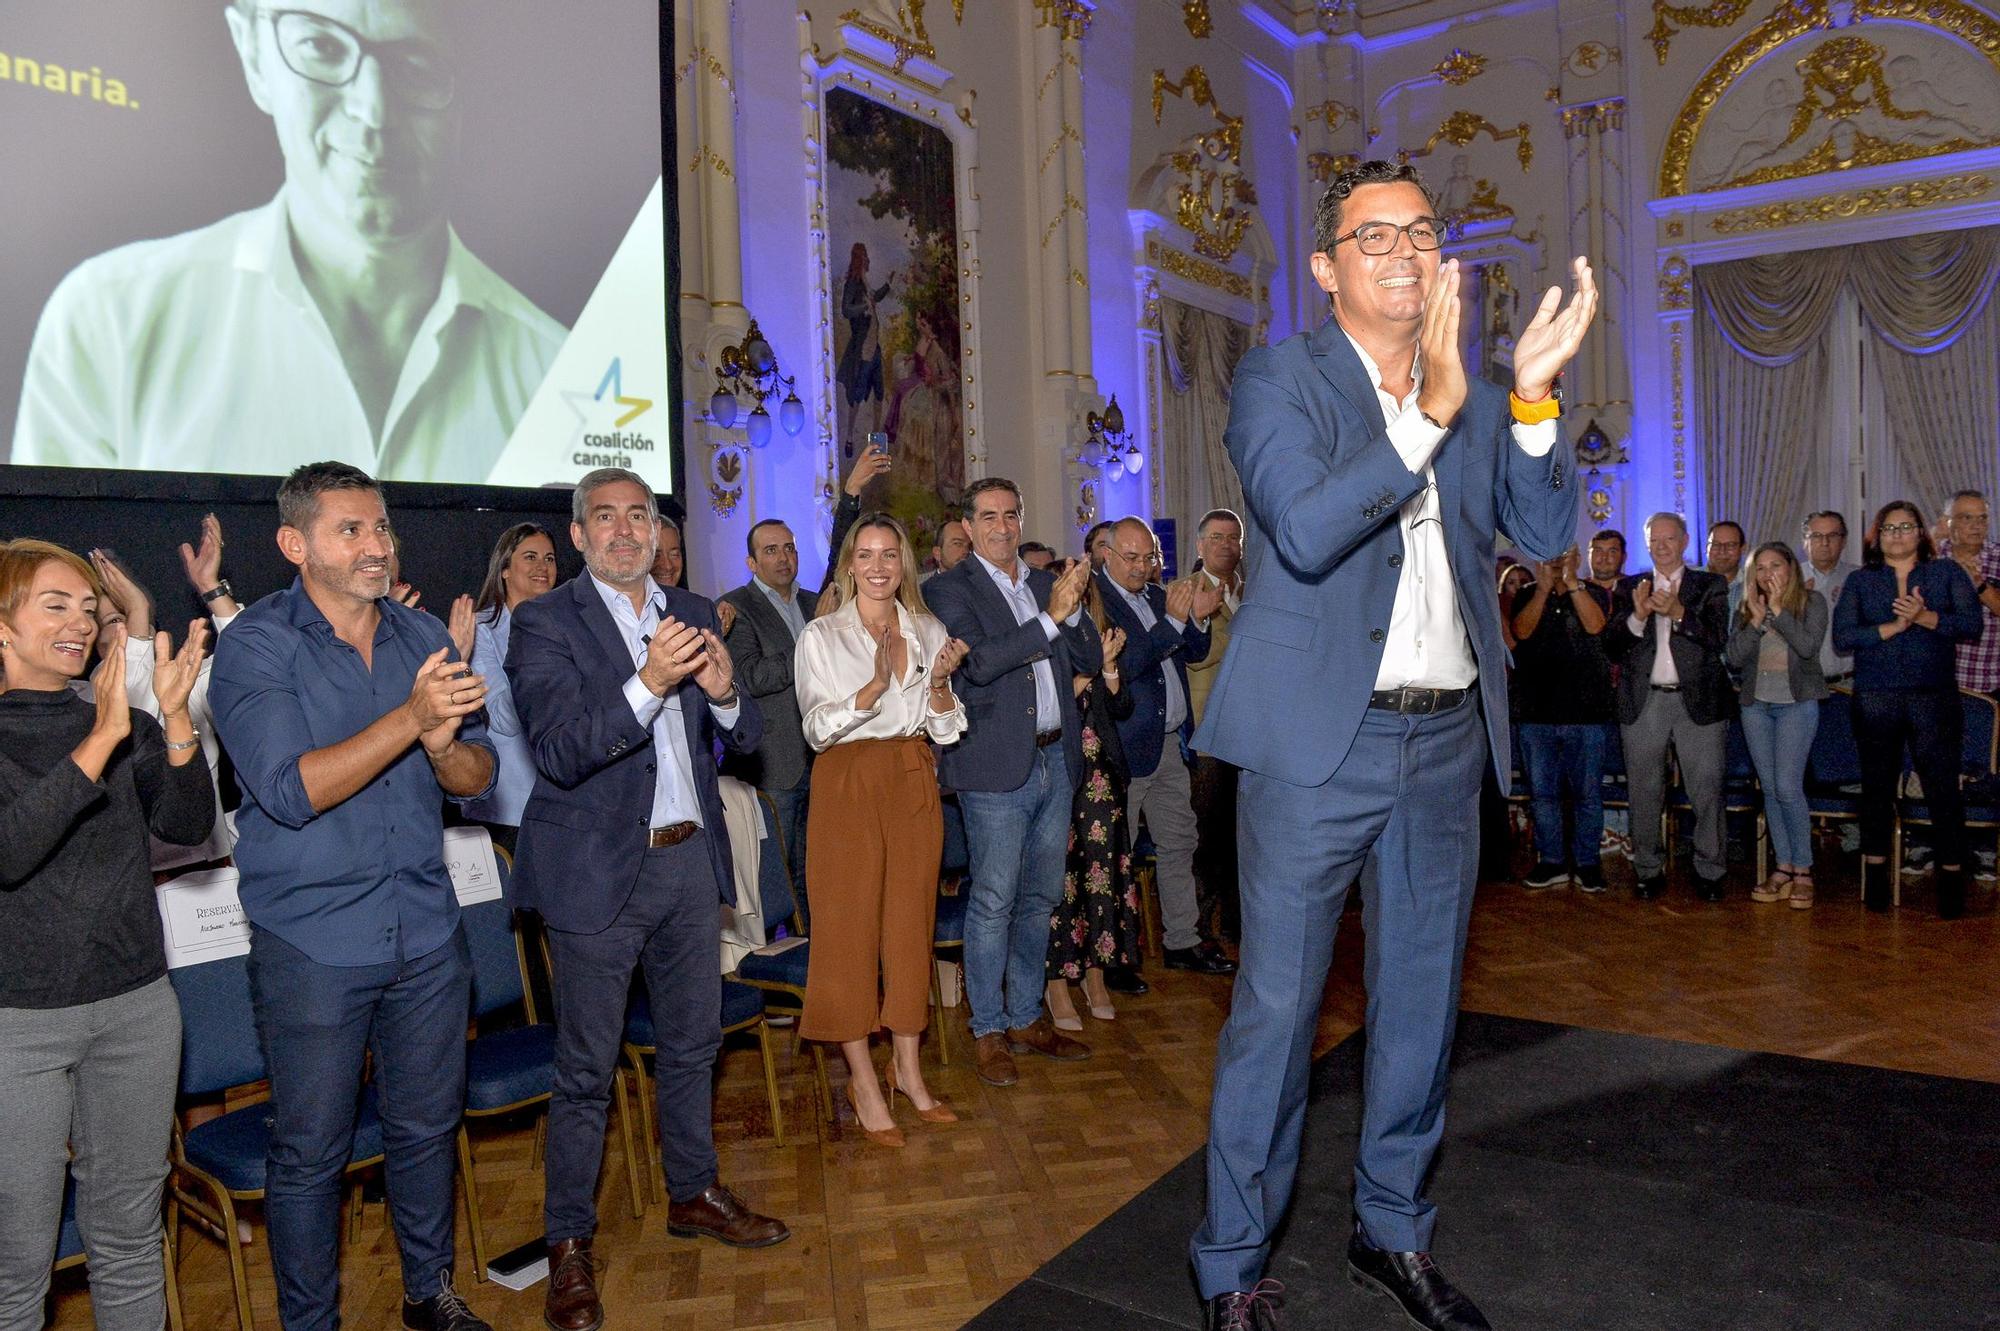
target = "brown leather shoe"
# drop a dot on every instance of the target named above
(720, 1214)
(996, 1064)
(1044, 1039)
(571, 1303)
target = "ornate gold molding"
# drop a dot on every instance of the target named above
(1795, 18)
(910, 41)
(1676, 283)
(1325, 166)
(710, 158)
(1677, 378)
(1591, 58)
(1170, 260)
(1212, 182)
(1460, 67)
(1195, 14)
(1072, 16)
(1194, 85)
(1851, 203)
(1484, 206)
(1718, 14)
(1603, 117)
(1333, 113)
(1461, 127)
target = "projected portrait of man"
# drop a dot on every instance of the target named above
(344, 319)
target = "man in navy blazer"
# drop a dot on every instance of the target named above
(1364, 685)
(1016, 769)
(1165, 628)
(623, 687)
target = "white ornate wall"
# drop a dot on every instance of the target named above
(1124, 148)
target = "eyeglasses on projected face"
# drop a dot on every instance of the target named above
(1374, 238)
(323, 51)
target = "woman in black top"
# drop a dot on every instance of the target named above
(89, 1028)
(1903, 615)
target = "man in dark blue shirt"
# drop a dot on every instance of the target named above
(348, 717)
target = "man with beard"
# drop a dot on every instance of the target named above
(348, 717)
(623, 687)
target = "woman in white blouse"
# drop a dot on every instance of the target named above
(874, 688)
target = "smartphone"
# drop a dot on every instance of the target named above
(879, 441)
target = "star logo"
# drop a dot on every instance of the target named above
(613, 382)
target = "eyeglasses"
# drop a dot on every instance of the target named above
(1968, 517)
(1426, 233)
(1148, 561)
(1823, 537)
(1899, 528)
(320, 50)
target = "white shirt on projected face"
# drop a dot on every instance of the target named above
(205, 352)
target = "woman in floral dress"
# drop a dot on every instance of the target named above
(1096, 924)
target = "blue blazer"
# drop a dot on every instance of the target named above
(997, 681)
(1147, 657)
(583, 833)
(1322, 484)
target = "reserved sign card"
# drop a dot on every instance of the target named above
(202, 918)
(475, 873)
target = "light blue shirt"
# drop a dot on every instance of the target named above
(787, 606)
(674, 797)
(514, 761)
(1020, 598)
(1176, 698)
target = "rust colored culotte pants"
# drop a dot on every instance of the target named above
(874, 835)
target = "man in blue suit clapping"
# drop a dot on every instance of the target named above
(1364, 682)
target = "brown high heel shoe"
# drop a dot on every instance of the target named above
(1802, 891)
(890, 1136)
(937, 1113)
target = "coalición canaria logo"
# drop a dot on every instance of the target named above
(613, 447)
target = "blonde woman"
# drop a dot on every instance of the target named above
(874, 688)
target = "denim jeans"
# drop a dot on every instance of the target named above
(316, 1023)
(1566, 759)
(1780, 736)
(1019, 841)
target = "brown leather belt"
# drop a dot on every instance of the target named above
(670, 835)
(1047, 737)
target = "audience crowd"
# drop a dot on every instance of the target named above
(989, 693)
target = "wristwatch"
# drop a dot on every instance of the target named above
(217, 592)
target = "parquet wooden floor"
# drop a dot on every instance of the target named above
(927, 1236)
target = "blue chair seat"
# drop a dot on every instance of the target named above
(510, 1067)
(740, 1004)
(951, 908)
(1917, 812)
(788, 967)
(231, 1149)
(69, 1239)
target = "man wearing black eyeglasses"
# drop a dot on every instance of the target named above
(1364, 687)
(343, 320)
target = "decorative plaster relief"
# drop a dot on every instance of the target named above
(1852, 203)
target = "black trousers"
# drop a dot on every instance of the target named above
(669, 931)
(1930, 724)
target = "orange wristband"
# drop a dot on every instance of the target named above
(1534, 413)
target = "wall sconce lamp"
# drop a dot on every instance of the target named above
(1102, 446)
(751, 368)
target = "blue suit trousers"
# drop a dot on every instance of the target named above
(1406, 794)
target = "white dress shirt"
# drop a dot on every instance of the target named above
(674, 797)
(1020, 598)
(206, 352)
(1176, 697)
(834, 661)
(1427, 645)
(1828, 585)
(1664, 669)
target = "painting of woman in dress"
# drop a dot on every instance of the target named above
(891, 210)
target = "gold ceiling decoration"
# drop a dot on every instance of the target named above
(1851, 203)
(1461, 127)
(908, 39)
(1460, 67)
(1796, 18)
(1170, 260)
(1484, 204)
(1195, 14)
(1603, 116)
(1325, 166)
(1591, 58)
(1212, 181)
(1719, 14)
(1333, 113)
